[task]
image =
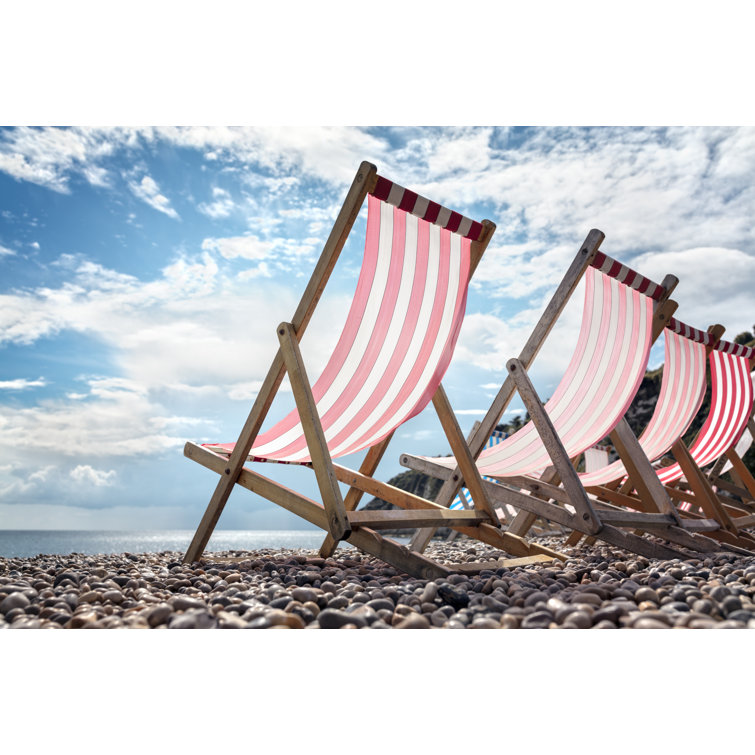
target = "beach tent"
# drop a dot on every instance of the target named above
(387, 366)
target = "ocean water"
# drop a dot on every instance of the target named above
(27, 543)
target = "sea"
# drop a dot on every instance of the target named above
(28, 543)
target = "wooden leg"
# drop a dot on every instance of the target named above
(557, 452)
(522, 523)
(462, 454)
(338, 522)
(704, 494)
(368, 467)
(574, 538)
(640, 471)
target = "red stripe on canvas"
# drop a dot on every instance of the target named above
(626, 275)
(432, 212)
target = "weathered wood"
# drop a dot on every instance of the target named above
(741, 469)
(522, 523)
(699, 525)
(487, 533)
(640, 470)
(317, 445)
(620, 518)
(500, 493)
(534, 343)
(392, 519)
(464, 459)
(363, 182)
(367, 540)
(368, 466)
(640, 545)
(524, 520)
(554, 446)
(574, 538)
(704, 494)
(508, 563)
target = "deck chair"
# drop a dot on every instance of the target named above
(742, 484)
(730, 413)
(682, 391)
(394, 348)
(624, 313)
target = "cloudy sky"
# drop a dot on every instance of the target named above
(145, 269)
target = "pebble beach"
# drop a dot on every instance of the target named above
(597, 587)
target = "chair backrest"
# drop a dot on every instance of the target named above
(744, 442)
(604, 373)
(400, 332)
(682, 392)
(730, 407)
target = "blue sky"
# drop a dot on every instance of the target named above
(145, 269)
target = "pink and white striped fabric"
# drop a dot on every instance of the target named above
(682, 393)
(730, 408)
(744, 442)
(426, 209)
(396, 344)
(601, 380)
(626, 275)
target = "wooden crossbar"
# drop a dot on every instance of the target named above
(392, 519)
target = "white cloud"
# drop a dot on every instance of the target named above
(49, 156)
(715, 285)
(148, 191)
(221, 206)
(246, 247)
(21, 384)
(86, 474)
(5, 252)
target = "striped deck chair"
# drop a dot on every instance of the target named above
(624, 312)
(731, 409)
(682, 391)
(394, 348)
(742, 484)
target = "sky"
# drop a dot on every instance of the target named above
(145, 269)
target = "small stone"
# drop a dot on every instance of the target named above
(453, 596)
(331, 618)
(579, 619)
(159, 615)
(702, 605)
(429, 593)
(702, 624)
(720, 592)
(483, 622)
(741, 615)
(647, 622)
(646, 594)
(729, 604)
(184, 603)
(413, 621)
(537, 620)
(14, 600)
(304, 594)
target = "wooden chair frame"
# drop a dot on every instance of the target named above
(547, 498)
(642, 491)
(337, 516)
